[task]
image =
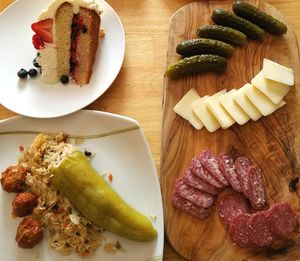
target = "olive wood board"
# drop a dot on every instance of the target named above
(273, 142)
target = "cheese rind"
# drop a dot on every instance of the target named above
(183, 108)
(236, 112)
(275, 91)
(201, 110)
(278, 73)
(246, 104)
(219, 112)
(260, 101)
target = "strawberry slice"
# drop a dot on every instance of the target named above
(38, 42)
(43, 29)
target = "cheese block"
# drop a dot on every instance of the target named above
(260, 101)
(278, 73)
(201, 110)
(275, 91)
(197, 105)
(236, 112)
(183, 108)
(219, 112)
(246, 104)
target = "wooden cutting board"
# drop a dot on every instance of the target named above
(273, 142)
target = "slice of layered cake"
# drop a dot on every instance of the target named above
(66, 37)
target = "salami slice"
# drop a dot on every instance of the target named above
(281, 220)
(198, 169)
(239, 230)
(192, 180)
(242, 164)
(227, 167)
(189, 207)
(257, 188)
(209, 161)
(200, 198)
(231, 205)
(260, 234)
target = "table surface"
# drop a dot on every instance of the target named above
(138, 90)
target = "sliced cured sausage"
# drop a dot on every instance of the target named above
(260, 234)
(198, 169)
(189, 207)
(239, 230)
(230, 205)
(192, 180)
(281, 220)
(196, 196)
(257, 188)
(242, 165)
(227, 167)
(209, 161)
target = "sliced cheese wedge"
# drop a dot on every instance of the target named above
(278, 73)
(183, 108)
(219, 112)
(236, 112)
(201, 110)
(246, 104)
(260, 101)
(275, 91)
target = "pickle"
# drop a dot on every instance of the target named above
(222, 17)
(258, 17)
(196, 64)
(204, 46)
(222, 33)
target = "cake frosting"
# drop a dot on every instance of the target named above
(48, 58)
(50, 11)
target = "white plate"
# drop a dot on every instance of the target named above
(32, 97)
(125, 154)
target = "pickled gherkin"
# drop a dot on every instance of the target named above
(223, 17)
(222, 33)
(256, 16)
(97, 201)
(196, 64)
(204, 46)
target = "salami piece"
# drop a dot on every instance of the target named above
(209, 161)
(189, 207)
(198, 169)
(200, 198)
(242, 165)
(239, 230)
(227, 167)
(260, 234)
(281, 220)
(192, 180)
(257, 188)
(231, 205)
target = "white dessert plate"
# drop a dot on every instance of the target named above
(120, 148)
(34, 98)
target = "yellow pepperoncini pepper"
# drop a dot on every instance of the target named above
(97, 201)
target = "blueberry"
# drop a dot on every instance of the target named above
(73, 35)
(64, 79)
(22, 73)
(32, 72)
(35, 63)
(72, 64)
(84, 28)
(87, 153)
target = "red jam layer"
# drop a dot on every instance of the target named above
(77, 24)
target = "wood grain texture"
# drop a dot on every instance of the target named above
(272, 142)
